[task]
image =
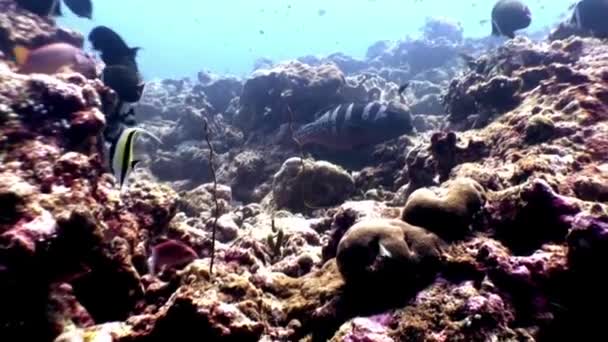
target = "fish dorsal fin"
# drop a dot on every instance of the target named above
(495, 29)
(576, 16)
(154, 137)
(320, 112)
(21, 53)
(383, 251)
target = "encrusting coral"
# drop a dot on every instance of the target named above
(387, 253)
(449, 214)
(303, 184)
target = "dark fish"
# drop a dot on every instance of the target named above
(114, 50)
(592, 16)
(509, 16)
(40, 7)
(353, 125)
(403, 87)
(82, 8)
(125, 81)
(55, 58)
(170, 254)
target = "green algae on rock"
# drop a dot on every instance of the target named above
(303, 184)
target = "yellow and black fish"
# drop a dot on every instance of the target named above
(122, 157)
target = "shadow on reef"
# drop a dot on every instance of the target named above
(363, 299)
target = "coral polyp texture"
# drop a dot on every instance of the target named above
(488, 223)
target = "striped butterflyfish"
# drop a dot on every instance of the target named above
(353, 125)
(122, 157)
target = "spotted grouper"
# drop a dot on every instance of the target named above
(353, 125)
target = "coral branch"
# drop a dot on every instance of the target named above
(217, 207)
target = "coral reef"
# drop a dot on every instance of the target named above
(489, 223)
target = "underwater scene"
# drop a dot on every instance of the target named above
(320, 170)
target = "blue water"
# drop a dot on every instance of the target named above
(181, 37)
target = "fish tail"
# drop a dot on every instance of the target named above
(299, 136)
(152, 264)
(21, 53)
(134, 50)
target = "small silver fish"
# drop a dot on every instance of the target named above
(353, 125)
(121, 152)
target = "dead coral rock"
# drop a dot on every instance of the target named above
(456, 312)
(187, 317)
(229, 309)
(367, 87)
(591, 188)
(306, 89)
(227, 229)
(501, 80)
(385, 252)
(499, 94)
(449, 214)
(247, 173)
(375, 328)
(587, 242)
(190, 160)
(36, 254)
(220, 91)
(447, 153)
(200, 201)
(429, 105)
(540, 128)
(532, 284)
(583, 291)
(302, 184)
(65, 310)
(112, 290)
(189, 126)
(15, 197)
(420, 171)
(526, 217)
(153, 204)
(312, 302)
(102, 332)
